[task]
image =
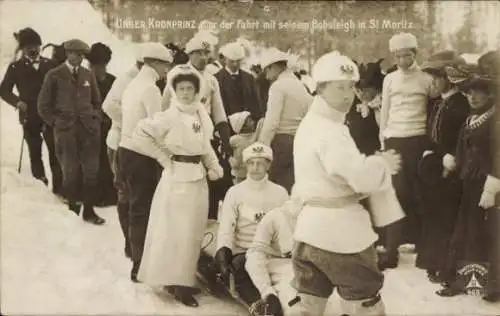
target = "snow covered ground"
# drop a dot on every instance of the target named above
(54, 263)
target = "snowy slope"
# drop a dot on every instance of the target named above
(57, 21)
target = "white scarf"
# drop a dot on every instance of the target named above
(197, 108)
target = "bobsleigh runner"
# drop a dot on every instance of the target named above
(208, 273)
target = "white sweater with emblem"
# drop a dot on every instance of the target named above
(243, 207)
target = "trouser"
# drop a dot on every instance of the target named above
(243, 283)
(138, 178)
(33, 136)
(217, 189)
(106, 192)
(281, 171)
(112, 160)
(122, 202)
(319, 272)
(77, 150)
(407, 185)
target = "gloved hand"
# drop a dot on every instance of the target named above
(490, 190)
(393, 159)
(22, 107)
(215, 173)
(449, 164)
(274, 305)
(223, 258)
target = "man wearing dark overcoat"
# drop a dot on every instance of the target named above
(26, 74)
(70, 103)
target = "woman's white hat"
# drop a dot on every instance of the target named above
(233, 51)
(334, 66)
(272, 56)
(257, 150)
(197, 43)
(402, 41)
(157, 51)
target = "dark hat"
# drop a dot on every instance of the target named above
(370, 75)
(58, 52)
(76, 45)
(485, 75)
(180, 56)
(460, 74)
(99, 54)
(28, 36)
(430, 168)
(436, 63)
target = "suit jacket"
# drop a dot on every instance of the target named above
(64, 101)
(28, 81)
(240, 93)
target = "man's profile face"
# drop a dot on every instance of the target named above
(199, 58)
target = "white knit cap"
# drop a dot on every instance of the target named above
(272, 56)
(157, 51)
(237, 120)
(197, 43)
(233, 51)
(402, 41)
(334, 66)
(257, 150)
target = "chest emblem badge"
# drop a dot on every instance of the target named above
(196, 127)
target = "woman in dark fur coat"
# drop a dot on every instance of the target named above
(441, 187)
(474, 245)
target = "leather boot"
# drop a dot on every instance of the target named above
(75, 207)
(373, 307)
(183, 294)
(90, 216)
(308, 305)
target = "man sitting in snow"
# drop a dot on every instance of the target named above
(244, 206)
(268, 259)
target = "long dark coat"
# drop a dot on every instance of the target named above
(476, 230)
(107, 192)
(441, 196)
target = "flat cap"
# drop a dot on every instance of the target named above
(76, 45)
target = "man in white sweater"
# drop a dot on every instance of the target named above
(244, 206)
(269, 263)
(112, 106)
(138, 173)
(405, 97)
(334, 235)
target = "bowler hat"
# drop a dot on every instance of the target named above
(370, 75)
(430, 168)
(436, 63)
(28, 36)
(76, 45)
(99, 54)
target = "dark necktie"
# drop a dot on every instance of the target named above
(75, 73)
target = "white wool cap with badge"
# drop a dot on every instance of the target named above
(402, 41)
(257, 150)
(237, 120)
(197, 43)
(233, 51)
(157, 51)
(334, 67)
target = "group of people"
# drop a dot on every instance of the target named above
(308, 180)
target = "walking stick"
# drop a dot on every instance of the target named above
(21, 155)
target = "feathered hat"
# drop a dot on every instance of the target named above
(370, 75)
(27, 37)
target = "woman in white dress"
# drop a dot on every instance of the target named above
(179, 138)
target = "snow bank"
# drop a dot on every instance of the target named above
(57, 21)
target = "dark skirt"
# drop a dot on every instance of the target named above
(441, 201)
